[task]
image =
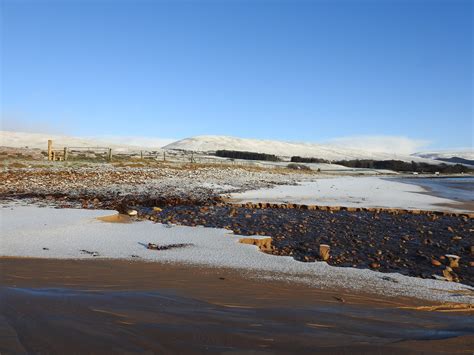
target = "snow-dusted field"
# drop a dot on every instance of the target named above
(350, 192)
(64, 233)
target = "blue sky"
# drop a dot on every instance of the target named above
(289, 70)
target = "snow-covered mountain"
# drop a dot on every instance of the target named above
(40, 140)
(213, 143)
(280, 148)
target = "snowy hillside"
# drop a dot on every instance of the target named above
(39, 140)
(213, 143)
(279, 148)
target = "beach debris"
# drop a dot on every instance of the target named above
(132, 213)
(388, 278)
(340, 299)
(45, 248)
(447, 307)
(324, 250)
(456, 237)
(92, 253)
(157, 209)
(453, 260)
(152, 246)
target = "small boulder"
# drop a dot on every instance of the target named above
(324, 250)
(453, 260)
(374, 265)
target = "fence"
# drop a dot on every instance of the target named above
(63, 154)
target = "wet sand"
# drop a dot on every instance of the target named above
(99, 306)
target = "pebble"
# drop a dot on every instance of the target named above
(132, 213)
(435, 262)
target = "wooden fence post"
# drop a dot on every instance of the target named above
(50, 149)
(65, 153)
(109, 155)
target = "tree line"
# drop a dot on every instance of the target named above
(234, 154)
(395, 165)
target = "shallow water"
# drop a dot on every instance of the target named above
(458, 188)
(62, 319)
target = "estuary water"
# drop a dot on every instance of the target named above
(455, 188)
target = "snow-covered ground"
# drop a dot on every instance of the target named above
(349, 192)
(65, 233)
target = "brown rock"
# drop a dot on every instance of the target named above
(453, 260)
(435, 262)
(264, 244)
(448, 274)
(374, 265)
(324, 250)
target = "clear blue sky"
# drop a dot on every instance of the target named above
(291, 70)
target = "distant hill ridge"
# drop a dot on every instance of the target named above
(285, 149)
(214, 143)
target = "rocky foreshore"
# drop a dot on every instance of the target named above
(415, 243)
(426, 245)
(104, 185)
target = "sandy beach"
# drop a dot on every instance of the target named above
(55, 306)
(236, 177)
(82, 271)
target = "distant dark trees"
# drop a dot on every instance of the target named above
(234, 154)
(297, 159)
(398, 165)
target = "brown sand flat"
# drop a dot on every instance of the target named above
(99, 306)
